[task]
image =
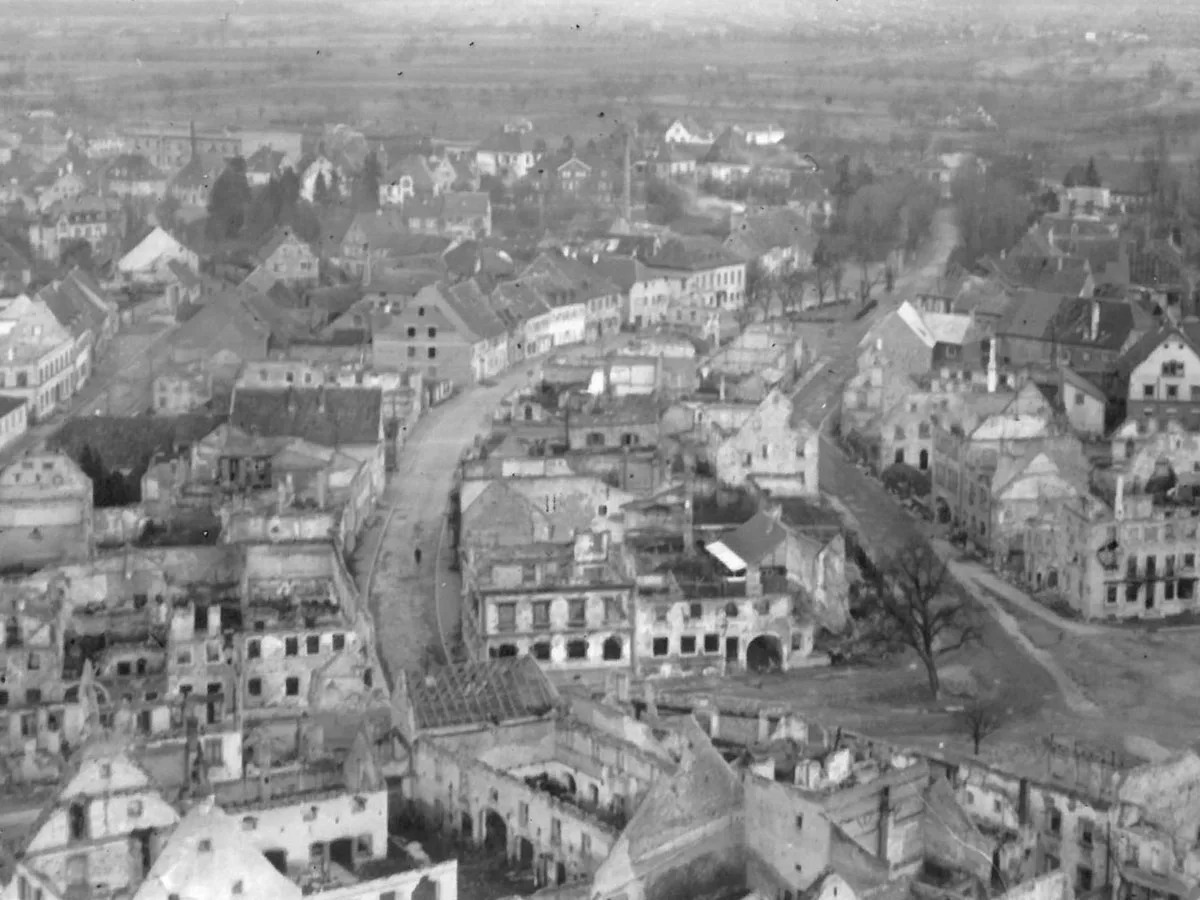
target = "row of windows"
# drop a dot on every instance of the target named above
(291, 645)
(1185, 589)
(578, 650)
(506, 613)
(661, 646)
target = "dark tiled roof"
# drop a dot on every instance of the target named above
(280, 236)
(474, 308)
(133, 167)
(583, 281)
(1139, 352)
(755, 538)
(1052, 274)
(480, 693)
(691, 254)
(8, 404)
(328, 416)
(130, 443)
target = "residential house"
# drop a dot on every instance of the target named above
(646, 295)
(133, 175)
(709, 276)
(170, 146)
(566, 280)
(572, 176)
(1089, 335)
(83, 308)
(14, 419)
(1083, 402)
(1125, 553)
(533, 324)
(286, 257)
(466, 173)
(370, 240)
(762, 135)
(96, 220)
(982, 465)
(60, 181)
(670, 162)
(192, 184)
(449, 332)
(16, 270)
(729, 160)
(410, 178)
(266, 163)
(45, 512)
(766, 448)
(779, 240)
(687, 131)
(1069, 276)
(1159, 376)
(181, 388)
(468, 259)
(37, 357)
(223, 334)
(506, 154)
(569, 607)
(348, 419)
(1159, 270)
(917, 342)
(150, 259)
(1125, 184)
(451, 214)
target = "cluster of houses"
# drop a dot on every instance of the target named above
(1048, 401)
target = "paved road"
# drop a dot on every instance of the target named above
(414, 508)
(816, 398)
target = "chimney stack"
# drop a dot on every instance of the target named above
(1095, 329)
(280, 498)
(993, 376)
(322, 487)
(689, 498)
(1119, 499)
(722, 387)
(1060, 263)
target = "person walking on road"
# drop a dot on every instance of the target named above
(417, 555)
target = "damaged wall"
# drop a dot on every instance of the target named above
(787, 834)
(950, 837)
(293, 827)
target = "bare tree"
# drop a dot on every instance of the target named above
(908, 586)
(983, 716)
(759, 291)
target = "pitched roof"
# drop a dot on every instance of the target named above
(911, 316)
(1140, 350)
(380, 228)
(583, 281)
(414, 166)
(471, 305)
(205, 856)
(1073, 378)
(324, 415)
(1052, 274)
(703, 790)
(133, 167)
(748, 543)
(480, 693)
(1031, 315)
(225, 317)
(77, 304)
(465, 204)
(516, 302)
(281, 235)
(265, 160)
(691, 254)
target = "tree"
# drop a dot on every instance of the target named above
(760, 289)
(983, 715)
(791, 290)
(76, 252)
(870, 231)
(908, 588)
(228, 201)
(827, 265)
(992, 216)
(1091, 178)
(320, 190)
(371, 177)
(666, 199)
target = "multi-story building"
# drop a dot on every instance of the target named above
(709, 276)
(96, 220)
(451, 214)
(607, 422)
(37, 357)
(1159, 376)
(133, 176)
(1132, 555)
(1049, 330)
(769, 449)
(169, 147)
(565, 280)
(286, 257)
(180, 389)
(646, 296)
(14, 419)
(568, 606)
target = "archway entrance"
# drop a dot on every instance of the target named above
(525, 853)
(495, 833)
(923, 461)
(465, 826)
(764, 654)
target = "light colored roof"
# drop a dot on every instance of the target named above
(911, 316)
(207, 857)
(149, 251)
(948, 328)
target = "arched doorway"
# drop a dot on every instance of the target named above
(923, 461)
(613, 649)
(764, 654)
(495, 833)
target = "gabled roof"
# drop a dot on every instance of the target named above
(911, 316)
(465, 204)
(1073, 378)
(265, 161)
(516, 302)
(78, 303)
(323, 415)
(473, 258)
(205, 856)
(583, 281)
(1051, 274)
(749, 543)
(480, 694)
(472, 305)
(133, 167)
(416, 167)
(202, 170)
(693, 254)
(380, 228)
(1139, 352)
(281, 235)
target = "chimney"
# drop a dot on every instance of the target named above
(1095, 329)
(689, 498)
(1060, 263)
(280, 498)
(1119, 499)
(722, 387)
(993, 376)
(321, 399)
(322, 487)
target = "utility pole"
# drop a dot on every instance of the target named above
(628, 193)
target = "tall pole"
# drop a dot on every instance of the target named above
(628, 210)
